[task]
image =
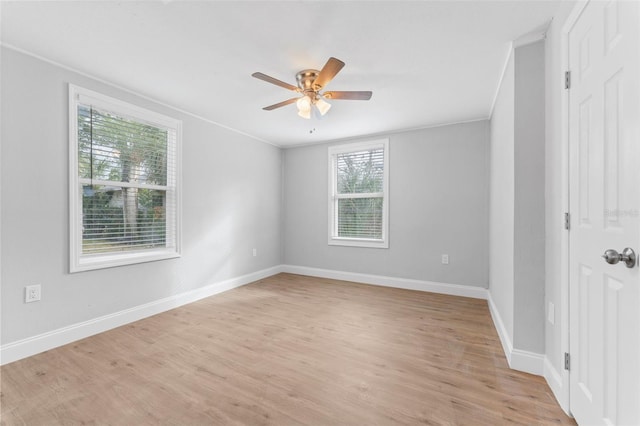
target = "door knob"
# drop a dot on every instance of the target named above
(628, 256)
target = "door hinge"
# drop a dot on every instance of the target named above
(567, 79)
(567, 361)
(567, 221)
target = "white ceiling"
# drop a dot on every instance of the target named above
(427, 62)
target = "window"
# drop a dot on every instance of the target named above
(124, 189)
(359, 194)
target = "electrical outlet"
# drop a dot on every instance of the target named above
(32, 293)
(551, 315)
(255, 252)
(445, 259)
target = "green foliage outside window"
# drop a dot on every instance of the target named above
(362, 173)
(123, 154)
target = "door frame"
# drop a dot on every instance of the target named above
(565, 326)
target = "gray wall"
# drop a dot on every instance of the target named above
(529, 212)
(231, 204)
(439, 183)
(517, 199)
(502, 199)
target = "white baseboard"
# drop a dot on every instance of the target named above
(529, 362)
(555, 381)
(404, 283)
(33, 345)
(503, 334)
(519, 360)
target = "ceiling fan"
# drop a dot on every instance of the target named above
(310, 84)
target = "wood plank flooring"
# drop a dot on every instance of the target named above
(286, 350)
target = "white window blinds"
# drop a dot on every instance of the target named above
(358, 198)
(125, 183)
(360, 179)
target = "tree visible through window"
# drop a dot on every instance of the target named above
(119, 150)
(126, 183)
(359, 173)
(359, 194)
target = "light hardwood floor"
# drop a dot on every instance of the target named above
(286, 350)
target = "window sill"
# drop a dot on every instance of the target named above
(101, 261)
(358, 242)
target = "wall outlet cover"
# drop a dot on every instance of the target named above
(32, 293)
(551, 315)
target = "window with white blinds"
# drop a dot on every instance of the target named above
(124, 182)
(358, 194)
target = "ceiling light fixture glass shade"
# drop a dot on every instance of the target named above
(304, 107)
(322, 105)
(305, 114)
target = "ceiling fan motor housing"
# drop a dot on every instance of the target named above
(305, 79)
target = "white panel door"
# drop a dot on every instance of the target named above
(604, 144)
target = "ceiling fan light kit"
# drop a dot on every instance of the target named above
(322, 105)
(304, 107)
(310, 83)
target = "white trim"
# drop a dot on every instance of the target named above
(33, 345)
(358, 242)
(385, 134)
(501, 329)
(573, 18)
(24, 348)
(529, 362)
(88, 181)
(500, 81)
(404, 283)
(133, 92)
(534, 36)
(1, 210)
(359, 146)
(333, 196)
(519, 360)
(215, 123)
(81, 95)
(111, 260)
(562, 391)
(75, 205)
(555, 381)
(79, 262)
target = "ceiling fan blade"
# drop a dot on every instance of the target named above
(280, 104)
(330, 69)
(275, 81)
(355, 96)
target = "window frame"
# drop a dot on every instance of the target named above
(78, 261)
(333, 198)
